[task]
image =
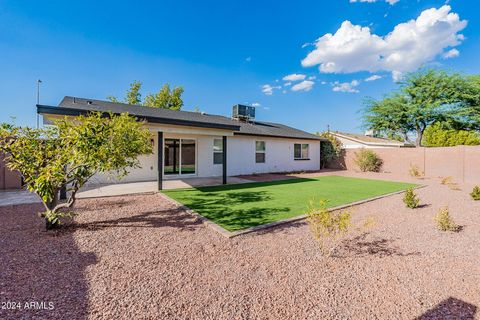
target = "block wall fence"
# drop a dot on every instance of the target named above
(462, 163)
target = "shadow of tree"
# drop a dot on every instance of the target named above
(450, 308)
(39, 266)
(361, 246)
(212, 205)
(173, 218)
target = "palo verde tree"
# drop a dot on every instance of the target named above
(424, 98)
(68, 154)
(165, 98)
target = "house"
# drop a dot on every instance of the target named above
(193, 144)
(368, 140)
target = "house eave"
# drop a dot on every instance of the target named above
(44, 109)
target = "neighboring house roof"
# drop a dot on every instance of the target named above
(368, 140)
(73, 106)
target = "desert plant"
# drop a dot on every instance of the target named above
(368, 160)
(475, 194)
(446, 180)
(411, 199)
(415, 172)
(445, 222)
(327, 226)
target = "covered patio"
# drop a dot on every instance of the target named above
(118, 189)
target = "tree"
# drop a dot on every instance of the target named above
(443, 135)
(329, 150)
(424, 98)
(165, 98)
(70, 153)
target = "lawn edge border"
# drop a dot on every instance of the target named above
(231, 234)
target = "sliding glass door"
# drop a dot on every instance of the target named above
(179, 156)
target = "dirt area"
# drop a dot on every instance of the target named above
(139, 256)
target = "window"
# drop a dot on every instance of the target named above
(217, 151)
(300, 151)
(259, 151)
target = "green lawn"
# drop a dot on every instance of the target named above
(236, 207)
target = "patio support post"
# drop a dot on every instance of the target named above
(160, 160)
(224, 162)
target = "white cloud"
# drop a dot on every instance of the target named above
(346, 86)
(268, 89)
(323, 82)
(373, 78)
(286, 84)
(392, 2)
(312, 78)
(294, 77)
(411, 44)
(453, 53)
(305, 85)
(256, 104)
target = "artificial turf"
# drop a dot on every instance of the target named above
(240, 206)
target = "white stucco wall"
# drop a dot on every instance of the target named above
(278, 155)
(240, 158)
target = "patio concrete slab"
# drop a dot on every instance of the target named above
(16, 197)
(120, 189)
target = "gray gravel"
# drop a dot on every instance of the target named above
(139, 257)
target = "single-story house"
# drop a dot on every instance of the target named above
(194, 144)
(368, 140)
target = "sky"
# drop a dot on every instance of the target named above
(307, 64)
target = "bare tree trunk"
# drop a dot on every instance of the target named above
(418, 141)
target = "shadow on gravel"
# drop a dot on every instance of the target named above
(450, 308)
(173, 218)
(361, 246)
(42, 274)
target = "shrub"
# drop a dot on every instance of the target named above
(446, 180)
(330, 149)
(327, 226)
(368, 160)
(445, 222)
(475, 194)
(411, 199)
(415, 171)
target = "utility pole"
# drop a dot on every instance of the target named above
(38, 99)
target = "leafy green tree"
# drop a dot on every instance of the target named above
(443, 135)
(329, 150)
(424, 98)
(165, 98)
(68, 154)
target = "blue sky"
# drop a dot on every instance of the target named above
(228, 52)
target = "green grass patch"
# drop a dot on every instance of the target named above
(240, 206)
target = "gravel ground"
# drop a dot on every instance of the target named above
(139, 257)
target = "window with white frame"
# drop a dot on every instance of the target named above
(300, 151)
(259, 151)
(217, 151)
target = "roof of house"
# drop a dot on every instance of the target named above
(369, 140)
(73, 106)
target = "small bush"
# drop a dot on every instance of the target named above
(368, 160)
(446, 180)
(327, 226)
(411, 199)
(415, 172)
(475, 194)
(445, 222)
